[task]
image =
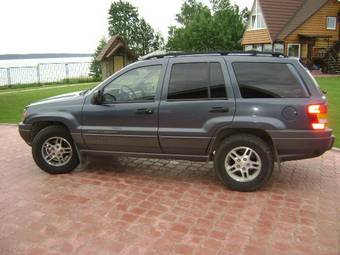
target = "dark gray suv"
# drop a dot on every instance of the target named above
(244, 111)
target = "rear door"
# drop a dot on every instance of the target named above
(197, 99)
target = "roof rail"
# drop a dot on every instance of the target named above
(212, 53)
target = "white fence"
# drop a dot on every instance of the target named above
(44, 73)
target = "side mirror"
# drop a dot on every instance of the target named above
(97, 98)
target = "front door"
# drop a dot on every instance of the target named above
(118, 63)
(127, 120)
(197, 100)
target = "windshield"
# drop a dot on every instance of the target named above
(89, 91)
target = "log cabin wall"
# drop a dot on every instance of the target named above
(317, 25)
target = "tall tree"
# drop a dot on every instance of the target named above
(95, 68)
(124, 20)
(203, 28)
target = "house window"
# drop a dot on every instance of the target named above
(256, 18)
(257, 47)
(254, 47)
(248, 47)
(331, 23)
(267, 47)
(294, 50)
(279, 47)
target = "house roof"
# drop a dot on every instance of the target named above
(283, 17)
(113, 46)
(307, 10)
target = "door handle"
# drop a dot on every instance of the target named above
(144, 111)
(219, 109)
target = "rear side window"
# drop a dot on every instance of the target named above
(196, 81)
(268, 80)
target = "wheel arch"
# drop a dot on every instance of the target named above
(227, 132)
(39, 125)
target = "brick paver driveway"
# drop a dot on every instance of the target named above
(135, 206)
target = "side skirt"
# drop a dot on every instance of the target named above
(200, 158)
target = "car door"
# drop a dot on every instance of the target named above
(197, 100)
(127, 120)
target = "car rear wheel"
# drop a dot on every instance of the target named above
(244, 162)
(54, 151)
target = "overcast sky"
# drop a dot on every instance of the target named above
(72, 26)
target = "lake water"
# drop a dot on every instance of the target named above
(36, 61)
(24, 71)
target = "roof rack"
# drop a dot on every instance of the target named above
(212, 53)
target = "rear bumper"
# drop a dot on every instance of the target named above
(25, 131)
(294, 145)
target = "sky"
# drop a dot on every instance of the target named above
(73, 26)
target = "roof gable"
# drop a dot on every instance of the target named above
(257, 20)
(278, 13)
(114, 44)
(308, 9)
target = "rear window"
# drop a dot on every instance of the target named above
(268, 80)
(197, 81)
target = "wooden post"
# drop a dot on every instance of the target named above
(67, 72)
(9, 77)
(38, 75)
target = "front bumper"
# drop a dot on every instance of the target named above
(25, 131)
(296, 144)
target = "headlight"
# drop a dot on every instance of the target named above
(24, 114)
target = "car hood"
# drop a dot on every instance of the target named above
(59, 99)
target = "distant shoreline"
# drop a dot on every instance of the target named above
(43, 55)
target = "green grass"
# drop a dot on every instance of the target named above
(12, 102)
(38, 85)
(332, 86)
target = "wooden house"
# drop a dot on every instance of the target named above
(114, 56)
(307, 29)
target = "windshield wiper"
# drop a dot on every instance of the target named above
(84, 92)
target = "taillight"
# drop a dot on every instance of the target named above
(318, 116)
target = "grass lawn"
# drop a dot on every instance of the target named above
(332, 86)
(12, 104)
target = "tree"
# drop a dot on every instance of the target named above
(124, 20)
(201, 28)
(95, 68)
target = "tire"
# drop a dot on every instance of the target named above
(46, 142)
(258, 164)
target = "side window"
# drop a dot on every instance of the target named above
(217, 83)
(189, 81)
(139, 84)
(268, 80)
(196, 81)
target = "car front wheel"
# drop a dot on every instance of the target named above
(244, 162)
(54, 151)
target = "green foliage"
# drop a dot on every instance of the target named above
(96, 68)
(203, 28)
(124, 20)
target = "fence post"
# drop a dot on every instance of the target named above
(67, 72)
(9, 77)
(38, 74)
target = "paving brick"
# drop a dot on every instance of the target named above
(150, 206)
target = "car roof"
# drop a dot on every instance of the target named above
(177, 54)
